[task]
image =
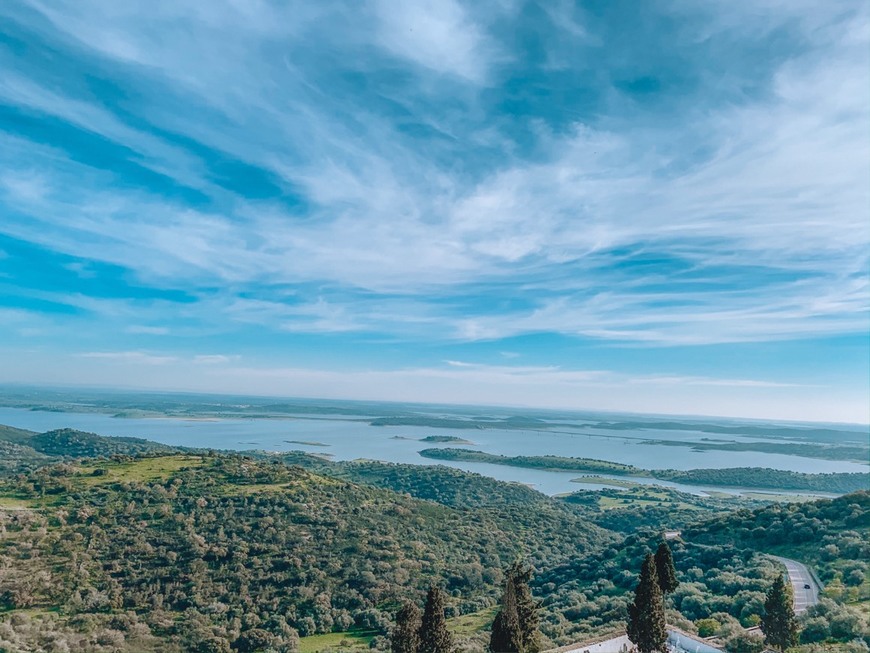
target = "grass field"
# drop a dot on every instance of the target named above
(355, 640)
(779, 498)
(232, 489)
(642, 495)
(358, 640)
(469, 624)
(141, 470)
(11, 503)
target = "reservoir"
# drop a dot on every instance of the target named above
(351, 437)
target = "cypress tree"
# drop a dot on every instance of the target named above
(527, 608)
(406, 635)
(778, 623)
(506, 636)
(434, 636)
(665, 569)
(646, 616)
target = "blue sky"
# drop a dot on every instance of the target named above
(653, 207)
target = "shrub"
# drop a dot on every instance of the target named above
(707, 627)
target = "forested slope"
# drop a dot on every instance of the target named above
(198, 547)
(201, 551)
(22, 450)
(833, 536)
(724, 568)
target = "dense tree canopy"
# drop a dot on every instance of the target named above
(211, 552)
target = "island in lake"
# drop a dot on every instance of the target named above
(446, 439)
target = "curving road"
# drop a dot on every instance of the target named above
(800, 577)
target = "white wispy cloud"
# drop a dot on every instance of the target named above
(214, 359)
(145, 329)
(436, 34)
(135, 357)
(777, 193)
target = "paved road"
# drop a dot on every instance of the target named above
(800, 576)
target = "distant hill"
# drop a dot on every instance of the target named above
(742, 477)
(16, 435)
(70, 443)
(79, 444)
(18, 457)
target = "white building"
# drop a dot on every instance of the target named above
(679, 641)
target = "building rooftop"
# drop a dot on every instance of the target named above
(679, 641)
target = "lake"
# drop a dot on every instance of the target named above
(351, 437)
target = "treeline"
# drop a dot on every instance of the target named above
(764, 477)
(553, 463)
(823, 451)
(749, 477)
(747, 430)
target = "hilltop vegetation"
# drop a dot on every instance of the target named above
(62, 444)
(18, 457)
(650, 507)
(196, 548)
(444, 485)
(69, 443)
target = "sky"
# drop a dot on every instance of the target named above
(657, 206)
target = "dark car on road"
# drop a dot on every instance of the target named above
(807, 587)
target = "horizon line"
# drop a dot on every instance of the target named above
(196, 393)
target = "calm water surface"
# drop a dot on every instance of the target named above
(350, 438)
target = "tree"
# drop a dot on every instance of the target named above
(646, 616)
(406, 635)
(665, 569)
(434, 636)
(778, 622)
(253, 640)
(506, 636)
(707, 627)
(213, 645)
(743, 642)
(527, 608)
